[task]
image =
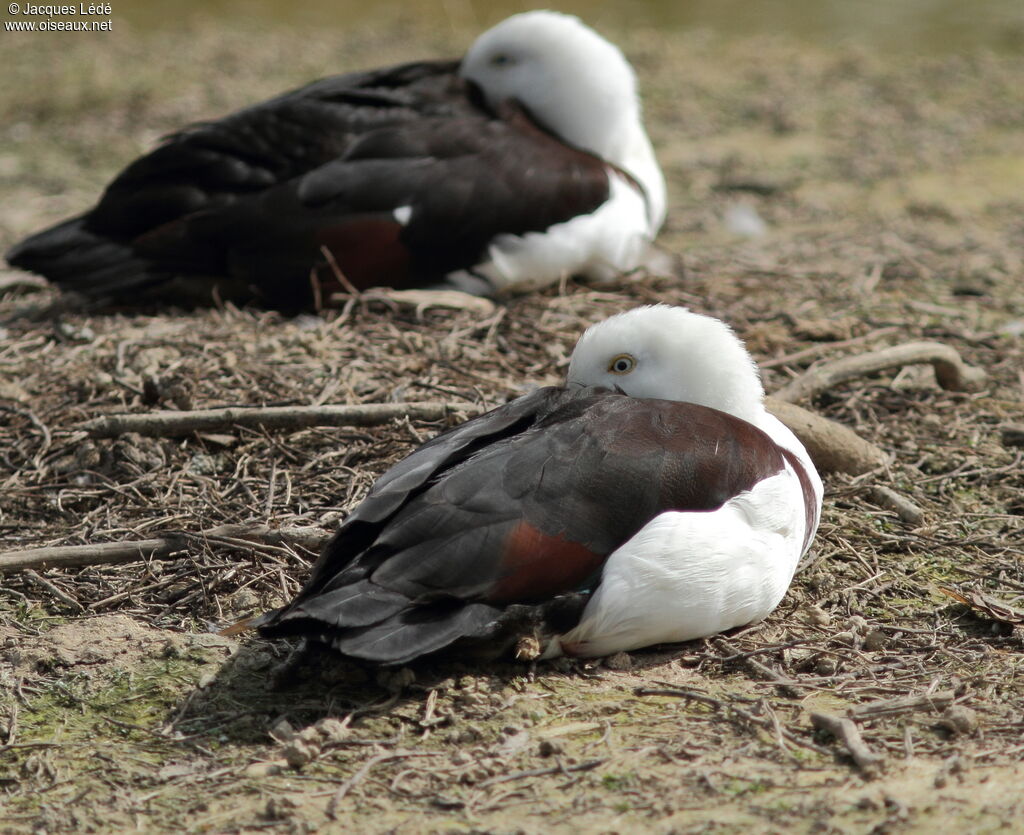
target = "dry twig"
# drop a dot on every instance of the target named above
(952, 373)
(846, 732)
(355, 779)
(904, 704)
(290, 418)
(787, 685)
(891, 500)
(165, 547)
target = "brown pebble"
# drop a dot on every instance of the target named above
(958, 719)
(299, 752)
(825, 667)
(264, 769)
(621, 661)
(547, 748)
(1012, 434)
(816, 616)
(332, 730)
(875, 640)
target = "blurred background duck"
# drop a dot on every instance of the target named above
(522, 163)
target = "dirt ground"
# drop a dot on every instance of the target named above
(891, 195)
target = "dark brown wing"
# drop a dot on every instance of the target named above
(253, 197)
(519, 517)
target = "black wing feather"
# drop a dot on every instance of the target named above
(252, 198)
(521, 505)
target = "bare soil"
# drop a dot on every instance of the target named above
(891, 192)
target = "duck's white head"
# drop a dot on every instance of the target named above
(573, 81)
(670, 353)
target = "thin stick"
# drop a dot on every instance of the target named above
(787, 685)
(52, 589)
(824, 348)
(951, 371)
(174, 424)
(540, 772)
(355, 779)
(745, 715)
(846, 732)
(165, 547)
(903, 704)
(891, 500)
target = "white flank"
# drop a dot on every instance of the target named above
(599, 246)
(403, 214)
(687, 575)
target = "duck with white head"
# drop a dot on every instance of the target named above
(524, 162)
(651, 499)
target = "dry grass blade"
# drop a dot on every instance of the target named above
(901, 705)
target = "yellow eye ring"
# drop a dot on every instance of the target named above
(622, 364)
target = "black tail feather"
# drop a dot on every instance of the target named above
(72, 256)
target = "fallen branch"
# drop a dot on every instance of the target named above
(421, 300)
(589, 765)
(951, 372)
(846, 732)
(832, 446)
(364, 769)
(789, 686)
(290, 418)
(165, 547)
(766, 723)
(900, 505)
(903, 704)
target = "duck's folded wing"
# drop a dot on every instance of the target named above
(135, 235)
(523, 520)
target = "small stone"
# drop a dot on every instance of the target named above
(298, 753)
(264, 769)
(825, 667)
(282, 730)
(875, 640)
(1012, 434)
(847, 639)
(621, 661)
(547, 748)
(958, 719)
(332, 731)
(816, 616)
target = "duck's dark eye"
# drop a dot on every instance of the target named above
(501, 59)
(622, 364)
